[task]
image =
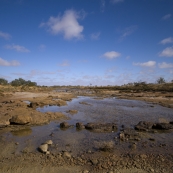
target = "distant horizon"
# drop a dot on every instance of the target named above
(78, 42)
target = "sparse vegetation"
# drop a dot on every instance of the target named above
(161, 80)
(3, 81)
(20, 82)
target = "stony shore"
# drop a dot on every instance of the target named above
(18, 112)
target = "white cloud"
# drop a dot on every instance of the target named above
(67, 25)
(5, 35)
(128, 31)
(112, 55)
(165, 65)
(95, 36)
(65, 64)
(8, 63)
(17, 48)
(167, 52)
(167, 16)
(116, 1)
(146, 64)
(167, 40)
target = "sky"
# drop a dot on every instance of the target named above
(86, 42)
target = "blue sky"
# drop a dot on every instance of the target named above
(82, 42)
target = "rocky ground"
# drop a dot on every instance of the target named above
(18, 112)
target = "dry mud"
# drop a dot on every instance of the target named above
(82, 150)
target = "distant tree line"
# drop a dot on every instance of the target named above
(17, 82)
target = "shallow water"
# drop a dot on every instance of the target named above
(119, 111)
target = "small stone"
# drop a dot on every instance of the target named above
(43, 148)
(66, 154)
(94, 161)
(85, 171)
(49, 142)
(47, 152)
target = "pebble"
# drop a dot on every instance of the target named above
(49, 142)
(66, 154)
(43, 148)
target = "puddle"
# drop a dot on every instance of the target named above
(108, 110)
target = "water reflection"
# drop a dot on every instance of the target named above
(22, 132)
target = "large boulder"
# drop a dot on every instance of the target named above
(80, 126)
(20, 119)
(64, 125)
(33, 104)
(144, 126)
(163, 126)
(129, 134)
(98, 127)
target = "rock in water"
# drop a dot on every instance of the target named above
(144, 126)
(80, 126)
(163, 126)
(64, 125)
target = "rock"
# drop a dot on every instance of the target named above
(72, 112)
(43, 148)
(20, 119)
(66, 154)
(163, 126)
(133, 146)
(108, 127)
(94, 161)
(129, 134)
(80, 126)
(64, 125)
(122, 136)
(49, 142)
(144, 126)
(33, 104)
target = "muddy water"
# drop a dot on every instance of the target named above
(120, 111)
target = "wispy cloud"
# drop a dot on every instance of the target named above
(165, 65)
(111, 55)
(167, 16)
(146, 64)
(8, 63)
(167, 40)
(67, 25)
(17, 48)
(102, 5)
(65, 64)
(4, 35)
(167, 52)
(42, 47)
(116, 1)
(111, 70)
(95, 36)
(128, 31)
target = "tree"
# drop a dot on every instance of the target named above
(3, 81)
(161, 80)
(20, 81)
